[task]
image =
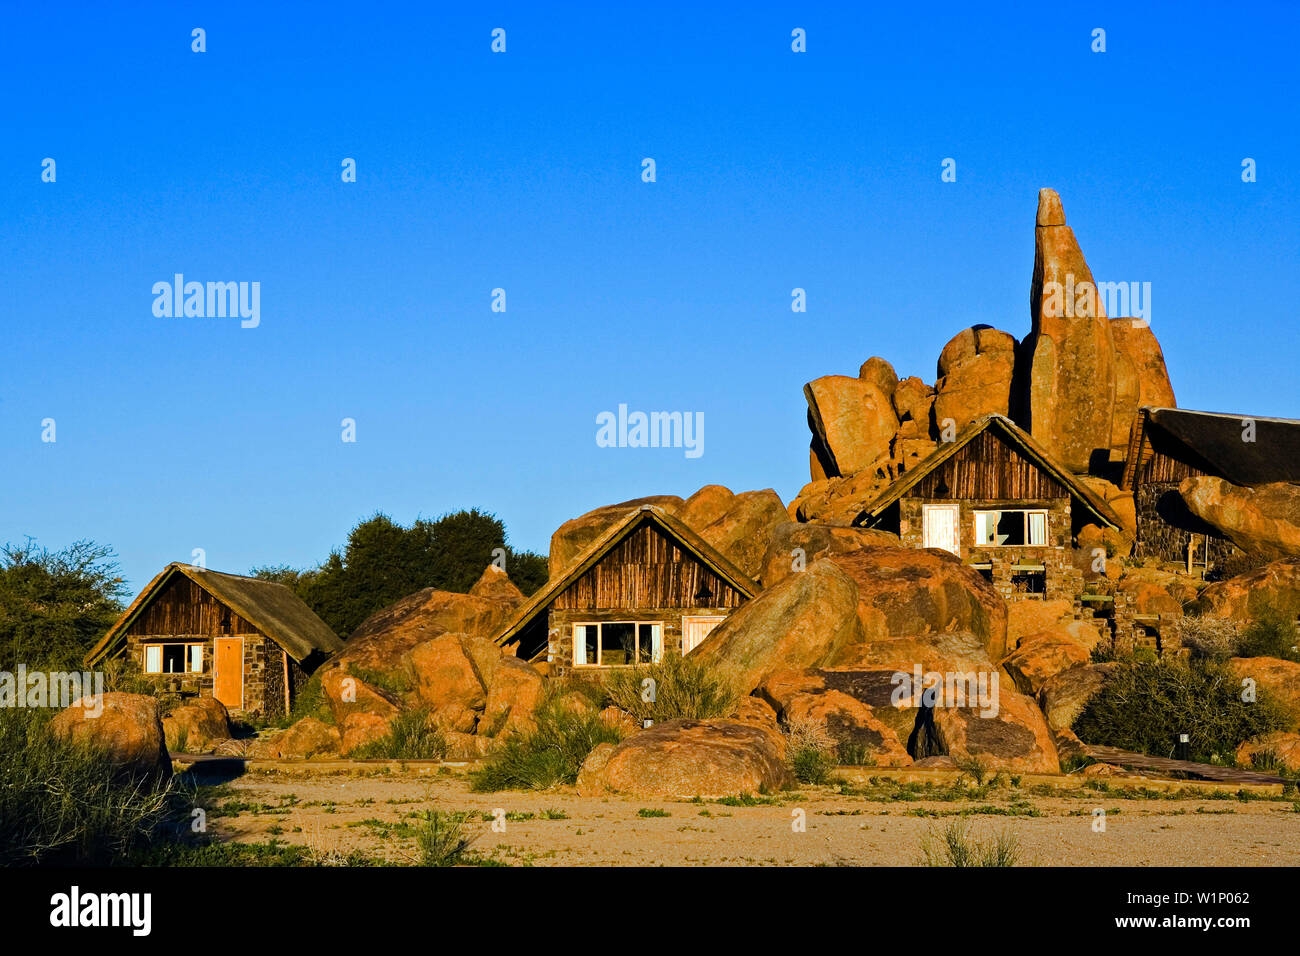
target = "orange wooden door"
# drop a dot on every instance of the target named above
(228, 672)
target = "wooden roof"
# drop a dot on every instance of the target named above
(652, 514)
(1018, 438)
(1212, 441)
(271, 607)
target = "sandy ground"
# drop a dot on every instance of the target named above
(366, 812)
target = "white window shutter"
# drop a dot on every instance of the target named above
(153, 659)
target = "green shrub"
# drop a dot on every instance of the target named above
(812, 765)
(59, 804)
(811, 751)
(550, 755)
(441, 839)
(1144, 706)
(412, 735)
(682, 689)
(956, 847)
(1270, 636)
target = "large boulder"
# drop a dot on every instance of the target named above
(1280, 679)
(909, 592)
(737, 525)
(348, 695)
(795, 545)
(578, 534)
(445, 673)
(125, 728)
(840, 502)
(1270, 591)
(1070, 351)
(514, 694)
(1141, 378)
(689, 758)
(1064, 696)
(851, 724)
(976, 369)
(305, 738)
(800, 622)
(873, 688)
(853, 419)
(195, 726)
(1260, 519)
(1040, 657)
(880, 373)
(384, 638)
(1031, 617)
(913, 401)
(1015, 738)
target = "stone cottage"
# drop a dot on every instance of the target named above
(649, 585)
(247, 642)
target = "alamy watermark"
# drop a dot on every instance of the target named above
(59, 689)
(651, 430)
(211, 300)
(952, 689)
(1121, 299)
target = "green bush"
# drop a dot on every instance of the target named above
(551, 755)
(1270, 636)
(59, 804)
(956, 847)
(682, 689)
(812, 765)
(412, 735)
(1144, 706)
(441, 838)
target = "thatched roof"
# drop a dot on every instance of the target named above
(270, 607)
(673, 527)
(1212, 442)
(1022, 442)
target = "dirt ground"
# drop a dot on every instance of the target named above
(371, 811)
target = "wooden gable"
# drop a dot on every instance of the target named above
(183, 607)
(648, 569)
(988, 468)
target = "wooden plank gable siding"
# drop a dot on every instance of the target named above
(647, 570)
(181, 607)
(1168, 459)
(988, 469)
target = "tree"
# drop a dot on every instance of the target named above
(384, 561)
(55, 605)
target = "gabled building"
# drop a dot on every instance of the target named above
(999, 501)
(648, 586)
(1167, 445)
(247, 642)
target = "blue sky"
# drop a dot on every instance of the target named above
(521, 171)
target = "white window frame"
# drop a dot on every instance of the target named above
(193, 656)
(580, 648)
(955, 511)
(982, 513)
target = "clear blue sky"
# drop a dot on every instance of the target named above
(522, 171)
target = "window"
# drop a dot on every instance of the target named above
(1010, 528)
(173, 658)
(617, 643)
(939, 527)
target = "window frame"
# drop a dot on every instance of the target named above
(580, 649)
(188, 656)
(1024, 513)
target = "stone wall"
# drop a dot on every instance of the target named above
(1165, 526)
(1061, 579)
(259, 655)
(560, 631)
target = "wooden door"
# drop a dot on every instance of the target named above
(940, 524)
(695, 630)
(228, 672)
